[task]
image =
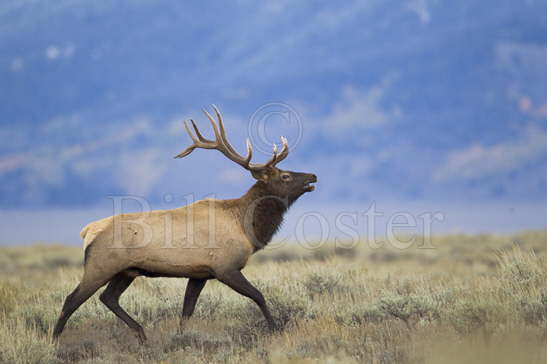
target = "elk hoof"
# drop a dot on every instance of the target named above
(141, 336)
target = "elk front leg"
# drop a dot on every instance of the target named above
(193, 289)
(238, 282)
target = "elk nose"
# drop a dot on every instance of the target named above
(313, 177)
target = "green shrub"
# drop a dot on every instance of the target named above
(410, 308)
(358, 314)
(534, 309)
(521, 272)
(484, 315)
(323, 283)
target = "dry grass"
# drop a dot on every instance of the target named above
(473, 299)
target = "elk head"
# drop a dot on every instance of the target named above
(277, 182)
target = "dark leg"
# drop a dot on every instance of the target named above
(111, 296)
(72, 302)
(241, 285)
(193, 289)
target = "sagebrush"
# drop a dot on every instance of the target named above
(473, 299)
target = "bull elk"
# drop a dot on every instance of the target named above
(208, 239)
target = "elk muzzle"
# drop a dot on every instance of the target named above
(308, 187)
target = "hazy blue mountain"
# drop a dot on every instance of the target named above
(402, 100)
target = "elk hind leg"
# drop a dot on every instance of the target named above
(73, 301)
(111, 297)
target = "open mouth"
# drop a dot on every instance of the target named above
(308, 187)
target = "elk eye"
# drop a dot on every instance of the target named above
(286, 177)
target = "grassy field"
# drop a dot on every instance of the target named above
(472, 299)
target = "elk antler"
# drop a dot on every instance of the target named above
(222, 145)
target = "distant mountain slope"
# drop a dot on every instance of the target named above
(408, 99)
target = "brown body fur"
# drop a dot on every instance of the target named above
(193, 241)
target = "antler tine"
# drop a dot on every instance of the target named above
(188, 150)
(213, 123)
(249, 151)
(223, 140)
(284, 151)
(220, 121)
(219, 115)
(222, 129)
(196, 141)
(185, 152)
(200, 137)
(272, 160)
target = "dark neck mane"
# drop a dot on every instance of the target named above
(260, 213)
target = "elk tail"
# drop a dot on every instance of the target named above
(87, 236)
(84, 231)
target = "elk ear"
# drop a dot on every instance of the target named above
(261, 175)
